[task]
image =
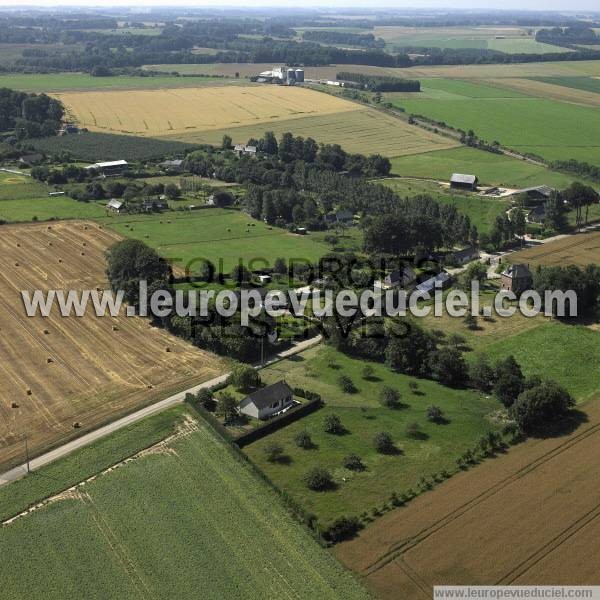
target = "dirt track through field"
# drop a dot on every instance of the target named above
(515, 519)
(64, 370)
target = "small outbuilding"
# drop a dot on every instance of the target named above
(111, 168)
(440, 281)
(267, 401)
(464, 182)
(115, 205)
(537, 214)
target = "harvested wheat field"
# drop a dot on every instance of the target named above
(58, 371)
(529, 517)
(170, 111)
(581, 249)
(204, 115)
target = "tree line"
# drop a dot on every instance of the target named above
(29, 115)
(380, 83)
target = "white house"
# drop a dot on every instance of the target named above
(267, 401)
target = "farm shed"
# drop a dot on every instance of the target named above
(115, 205)
(517, 278)
(110, 168)
(440, 281)
(32, 159)
(464, 182)
(242, 149)
(267, 401)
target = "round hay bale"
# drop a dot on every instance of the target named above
(85, 243)
(60, 260)
(49, 227)
(115, 328)
(49, 360)
(16, 264)
(167, 349)
(76, 425)
(149, 386)
(18, 245)
(49, 243)
(14, 405)
(46, 332)
(146, 236)
(28, 391)
(83, 254)
(85, 227)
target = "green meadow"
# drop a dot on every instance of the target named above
(548, 128)
(492, 169)
(434, 450)
(189, 517)
(219, 235)
(481, 211)
(587, 84)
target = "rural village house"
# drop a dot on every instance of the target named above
(466, 255)
(400, 277)
(267, 401)
(517, 278)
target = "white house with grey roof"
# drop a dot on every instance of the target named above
(267, 401)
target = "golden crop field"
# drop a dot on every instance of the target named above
(582, 249)
(59, 371)
(182, 110)
(363, 130)
(204, 115)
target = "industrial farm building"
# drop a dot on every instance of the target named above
(282, 75)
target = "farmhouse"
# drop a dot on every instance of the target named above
(32, 159)
(463, 182)
(267, 401)
(467, 255)
(400, 277)
(111, 168)
(68, 129)
(440, 281)
(242, 149)
(171, 165)
(154, 206)
(537, 214)
(539, 192)
(517, 278)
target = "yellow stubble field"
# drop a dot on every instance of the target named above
(57, 371)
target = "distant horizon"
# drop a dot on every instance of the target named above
(542, 6)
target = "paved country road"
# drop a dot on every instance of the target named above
(92, 436)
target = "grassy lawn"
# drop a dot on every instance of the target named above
(44, 209)
(13, 186)
(481, 211)
(492, 169)
(221, 236)
(187, 516)
(518, 122)
(363, 417)
(570, 354)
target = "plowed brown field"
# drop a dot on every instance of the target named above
(529, 517)
(59, 370)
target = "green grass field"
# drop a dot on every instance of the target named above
(493, 169)
(62, 82)
(47, 208)
(570, 354)
(188, 518)
(93, 146)
(20, 186)
(481, 211)
(221, 236)
(588, 84)
(545, 127)
(363, 416)
(510, 40)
